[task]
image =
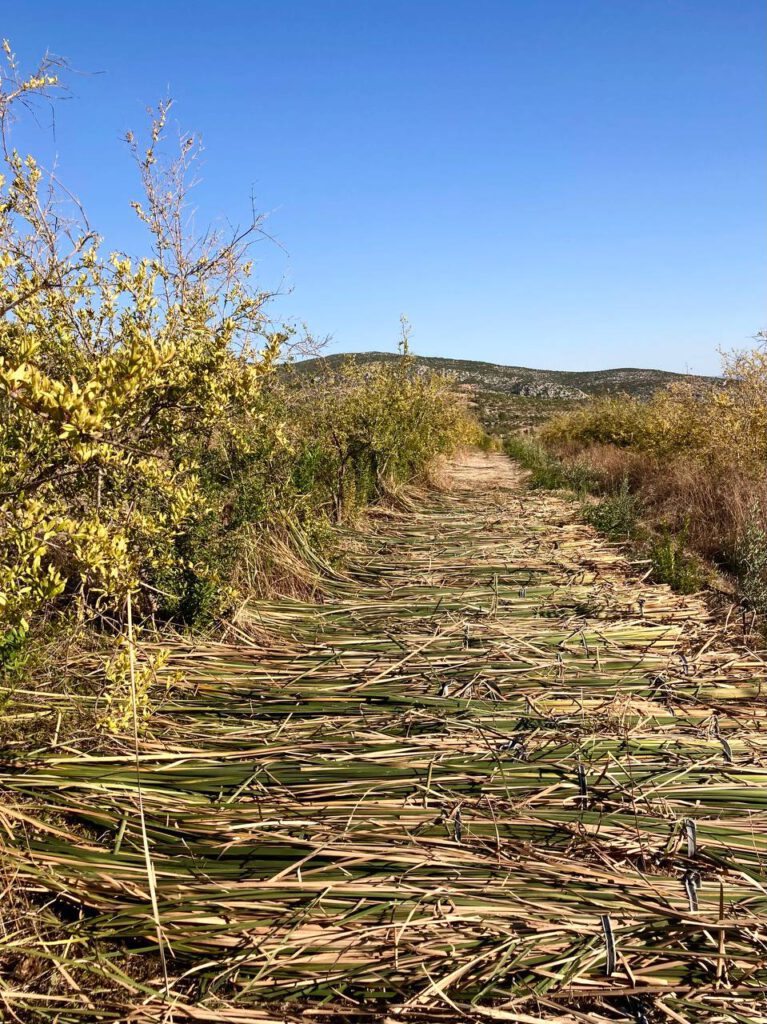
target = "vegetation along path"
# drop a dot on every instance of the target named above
(491, 773)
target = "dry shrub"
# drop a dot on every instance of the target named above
(609, 465)
(696, 457)
(712, 504)
(723, 425)
(716, 506)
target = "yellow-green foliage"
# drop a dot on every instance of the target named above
(368, 426)
(696, 460)
(126, 704)
(724, 425)
(653, 426)
(146, 427)
(114, 375)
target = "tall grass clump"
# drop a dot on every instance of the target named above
(546, 470)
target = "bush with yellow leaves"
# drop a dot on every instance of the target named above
(116, 376)
(147, 429)
(366, 426)
(723, 424)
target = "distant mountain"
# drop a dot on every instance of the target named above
(528, 383)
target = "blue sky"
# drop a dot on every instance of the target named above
(569, 184)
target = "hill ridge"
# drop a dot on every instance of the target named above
(530, 382)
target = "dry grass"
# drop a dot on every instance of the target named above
(714, 506)
(696, 457)
(491, 775)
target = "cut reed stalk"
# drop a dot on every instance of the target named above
(485, 775)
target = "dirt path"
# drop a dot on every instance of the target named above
(491, 775)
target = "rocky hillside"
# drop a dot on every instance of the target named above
(525, 382)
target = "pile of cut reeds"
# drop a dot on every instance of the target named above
(492, 775)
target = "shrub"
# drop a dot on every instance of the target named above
(672, 564)
(546, 470)
(724, 424)
(13, 652)
(117, 377)
(751, 559)
(615, 515)
(489, 442)
(148, 431)
(365, 428)
(696, 458)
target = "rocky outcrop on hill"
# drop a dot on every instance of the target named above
(564, 385)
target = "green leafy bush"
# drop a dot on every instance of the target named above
(367, 427)
(546, 470)
(751, 563)
(615, 515)
(149, 432)
(673, 564)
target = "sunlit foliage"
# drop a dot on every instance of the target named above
(725, 423)
(146, 427)
(696, 457)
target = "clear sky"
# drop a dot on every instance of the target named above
(570, 184)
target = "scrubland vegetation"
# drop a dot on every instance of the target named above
(154, 443)
(472, 769)
(690, 463)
